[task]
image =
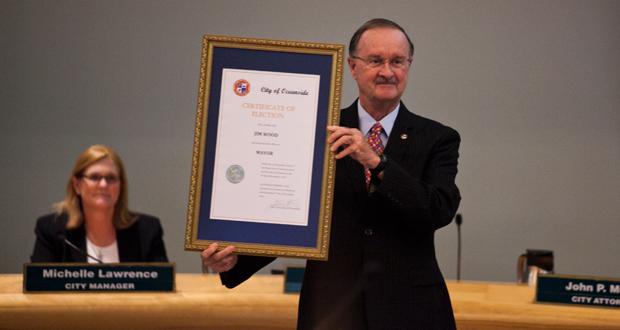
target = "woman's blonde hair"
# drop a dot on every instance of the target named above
(72, 204)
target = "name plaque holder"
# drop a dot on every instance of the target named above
(293, 279)
(578, 290)
(85, 277)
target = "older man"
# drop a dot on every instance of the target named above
(394, 187)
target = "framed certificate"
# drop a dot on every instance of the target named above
(262, 174)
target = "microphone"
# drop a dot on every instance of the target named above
(459, 221)
(74, 247)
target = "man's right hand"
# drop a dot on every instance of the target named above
(218, 262)
(346, 141)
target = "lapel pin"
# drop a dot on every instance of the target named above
(404, 136)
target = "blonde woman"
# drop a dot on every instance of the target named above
(93, 223)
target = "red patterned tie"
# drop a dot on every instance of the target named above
(374, 140)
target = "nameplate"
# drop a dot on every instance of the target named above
(84, 277)
(578, 290)
(293, 278)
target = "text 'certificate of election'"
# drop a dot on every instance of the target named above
(265, 142)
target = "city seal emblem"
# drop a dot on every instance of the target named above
(235, 173)
(241, 87)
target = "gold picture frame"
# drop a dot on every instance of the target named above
(323, 62)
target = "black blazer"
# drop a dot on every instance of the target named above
(382, 272)
(141, 242)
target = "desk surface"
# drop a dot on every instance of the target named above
(201, 302)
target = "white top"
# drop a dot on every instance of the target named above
(107, 254)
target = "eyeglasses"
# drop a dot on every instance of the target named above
(376, 61)
(96, 178)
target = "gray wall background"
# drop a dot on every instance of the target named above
(532, 86)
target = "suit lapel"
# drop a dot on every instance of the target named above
(78, 238)
(128, 248)
(403, 135)
(353, 169)
(348, 116)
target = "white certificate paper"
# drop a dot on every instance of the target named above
(265, 147)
